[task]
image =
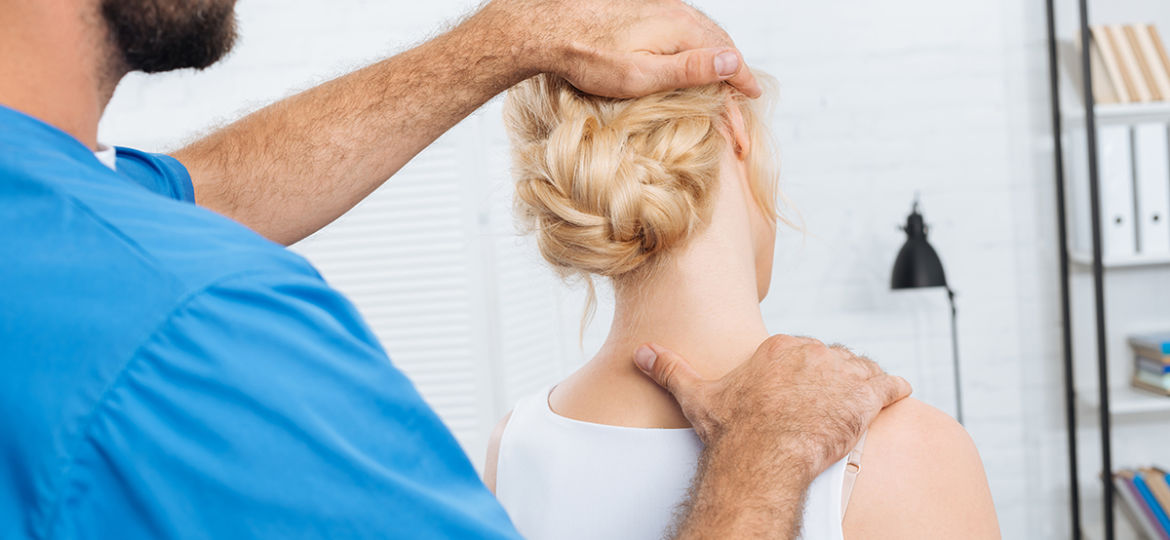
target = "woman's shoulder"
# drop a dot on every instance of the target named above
(911, 424)
(921, 477)
(522, 412)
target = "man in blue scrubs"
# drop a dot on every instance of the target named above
(170, 370)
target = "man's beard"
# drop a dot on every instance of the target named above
(162, 35)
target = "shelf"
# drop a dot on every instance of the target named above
(1126, 400)
(1129, 113)
(1086, 259)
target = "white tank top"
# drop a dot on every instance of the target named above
(565, 479)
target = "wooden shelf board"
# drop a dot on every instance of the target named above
(1124, 400)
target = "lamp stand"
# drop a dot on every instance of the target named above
(955, 356)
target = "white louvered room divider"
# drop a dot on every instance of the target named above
(461, 302)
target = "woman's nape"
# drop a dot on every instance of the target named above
(701, 300)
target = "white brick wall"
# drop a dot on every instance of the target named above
(879, 100)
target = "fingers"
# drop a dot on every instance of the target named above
(880, 392)
(668, 369)
(742, 77)
(746, 83)
(890, 389)
(694, 67)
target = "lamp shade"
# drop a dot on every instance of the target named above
(917, 264)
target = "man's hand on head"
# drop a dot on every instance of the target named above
(622, 48)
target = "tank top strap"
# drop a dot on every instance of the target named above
(852, 470)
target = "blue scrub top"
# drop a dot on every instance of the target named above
(169, 373)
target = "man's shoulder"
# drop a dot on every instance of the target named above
(198, 247)
(94, 268)
(193, 245)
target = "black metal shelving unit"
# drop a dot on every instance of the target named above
(1096, 266)
(1118, 410)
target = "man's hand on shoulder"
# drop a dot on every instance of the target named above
(770, 426)
(621, 48)
(795, 395)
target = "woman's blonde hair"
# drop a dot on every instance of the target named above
(611, 185)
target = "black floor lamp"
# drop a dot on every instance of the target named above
(918, 266)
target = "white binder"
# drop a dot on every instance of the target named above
(1151, 153)
(1115, 167)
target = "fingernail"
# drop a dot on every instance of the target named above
(645, 358)
(726, 64)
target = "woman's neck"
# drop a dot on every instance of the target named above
(703, 304)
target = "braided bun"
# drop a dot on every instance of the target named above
(610, 185)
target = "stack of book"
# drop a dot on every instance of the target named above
(1129, 64)
(1151, 356)
(1145, 499)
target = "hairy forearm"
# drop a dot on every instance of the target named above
(294, 166)
(736, 494)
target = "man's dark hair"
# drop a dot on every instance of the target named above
(162, 35)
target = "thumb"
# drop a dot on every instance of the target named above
(696, 67)
(668, 369)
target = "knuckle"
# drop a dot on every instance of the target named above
(877, 396)
(818, 353)
(895, 387)
(776, 346)
(630, 82)
(812, 344)
(680, 14)
(696, 70)
(665, 370)
(872, 368)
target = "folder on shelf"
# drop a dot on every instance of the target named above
(1115, 158)
(1144, 36)
(1160, 482)
(1155, 507)
(1156, 479)
(1159, 48)
(1145, 72)
(1105, 91)
(1139, 512)
(1151, 153)
(1112, 63)
(1131, 71)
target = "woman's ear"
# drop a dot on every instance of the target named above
(735, 123)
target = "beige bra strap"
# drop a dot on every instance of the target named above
(852, 469)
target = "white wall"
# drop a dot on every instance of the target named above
(879, 101)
